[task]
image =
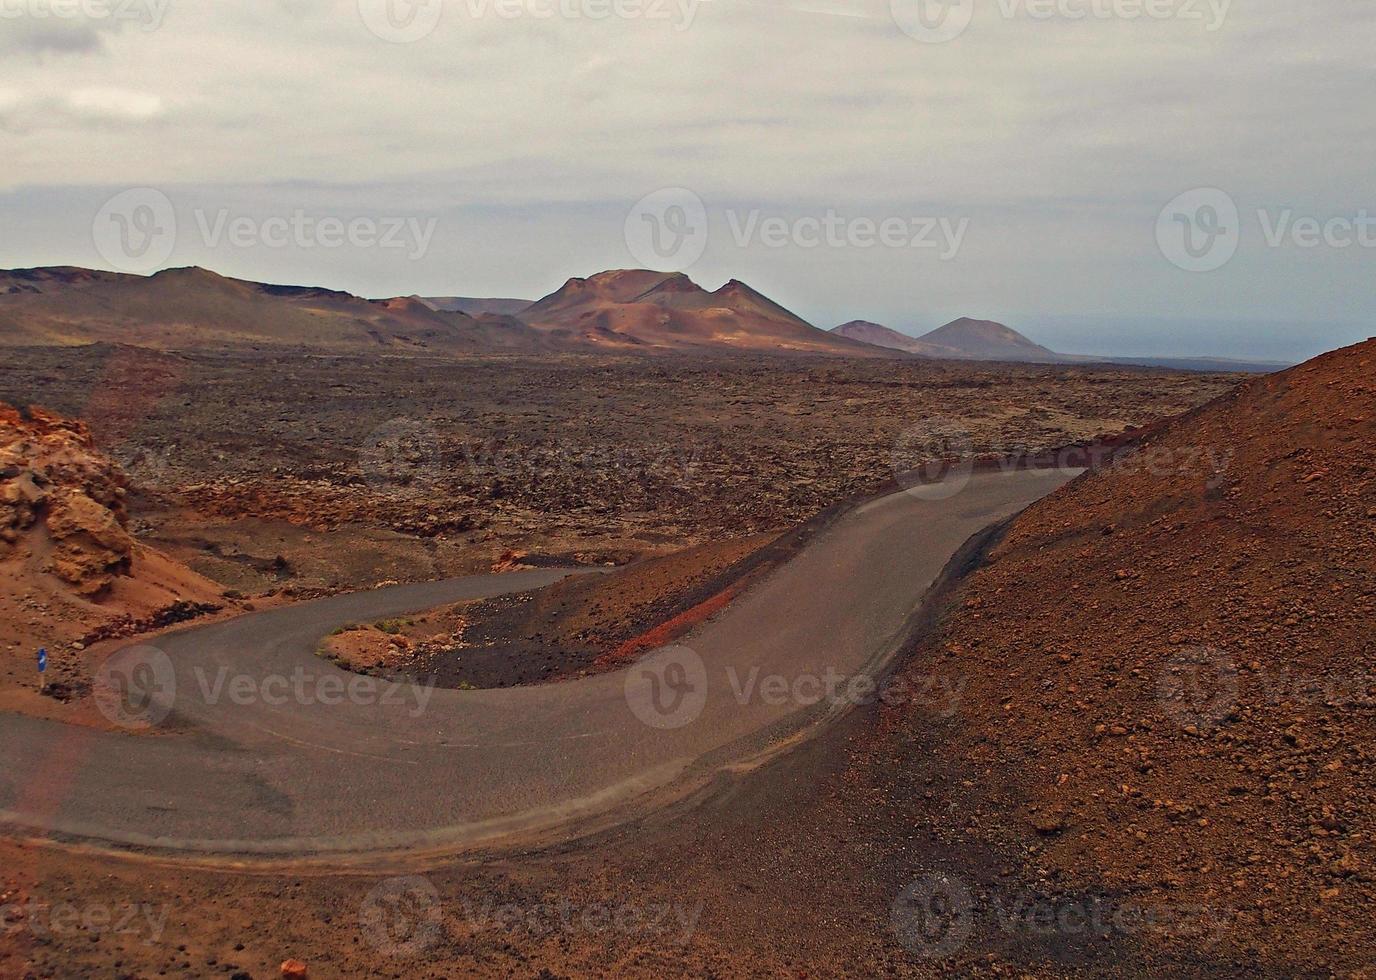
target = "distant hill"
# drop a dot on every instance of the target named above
(986, 340)
(881, 336)
(193, 308)
(640, 309)
(474, 305)
(966, 339)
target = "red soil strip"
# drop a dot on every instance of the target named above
(669, 630)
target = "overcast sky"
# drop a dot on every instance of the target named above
(1023, 156)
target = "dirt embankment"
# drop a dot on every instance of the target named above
(1168, 677)
(71, 573)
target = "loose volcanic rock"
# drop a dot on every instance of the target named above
(1184, 709)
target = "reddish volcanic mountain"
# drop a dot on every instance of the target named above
(637, 308)
(195, 308)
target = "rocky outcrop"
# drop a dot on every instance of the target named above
(61, 501)
(92, 545)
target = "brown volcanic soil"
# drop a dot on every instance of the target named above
(256, 470)
(1171, 686)
(284, 470)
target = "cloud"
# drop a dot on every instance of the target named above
(81, 111)
(113, 103)
(37, 37)
(72, 27)
(750, 100)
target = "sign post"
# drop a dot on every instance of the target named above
(42, 669)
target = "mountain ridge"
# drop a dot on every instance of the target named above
(616, 310)
(639, 308)
(964, 338)
(194, 308)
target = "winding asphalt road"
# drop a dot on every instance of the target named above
(260, 748)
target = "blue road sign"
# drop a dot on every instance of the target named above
(42, 660)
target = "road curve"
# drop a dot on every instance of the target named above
(264, 751)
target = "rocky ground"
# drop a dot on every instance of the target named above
(259, 472)
(288, 470)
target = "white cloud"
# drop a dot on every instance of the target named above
(751, 100)
(113, 103)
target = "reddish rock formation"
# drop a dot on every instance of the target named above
(62, 501)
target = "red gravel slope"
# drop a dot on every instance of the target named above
(1171, 669)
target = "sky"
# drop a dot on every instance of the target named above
(1110, 176)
